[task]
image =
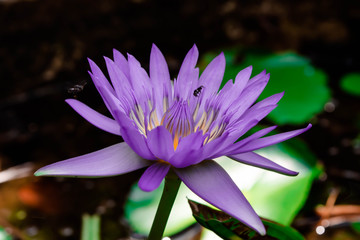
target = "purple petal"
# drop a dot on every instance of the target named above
(242, 78)
(159, 71)
(95, 118)
(118, 79)
(256, 78)
(272, 100)
(188, 63)
(160, 77)
(138, 76)
(257, 160)
(133, 137)
(231, 91)
(248, 120)
(216, 146)
(114, 160)
(188, 151)
(153, 175)
(98, 77)
(236, 147)
(271, 140)
(112, 103)
(211, 182)
(252, 114)
(140, 82)
(247, 98)
(121, 62)
(212, 76)
(187, 74)
(160, 143)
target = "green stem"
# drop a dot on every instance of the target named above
(172, 184)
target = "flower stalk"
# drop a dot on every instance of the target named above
(171, 188)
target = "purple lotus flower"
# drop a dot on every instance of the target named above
(180, 125)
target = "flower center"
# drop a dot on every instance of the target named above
(178, 120)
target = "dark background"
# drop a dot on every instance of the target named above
(43, 51)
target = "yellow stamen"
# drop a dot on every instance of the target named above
(176, 141)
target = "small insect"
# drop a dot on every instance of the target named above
(198, 91)
(77, 88)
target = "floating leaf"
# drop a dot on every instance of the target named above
(305, 87)
(229, 228)
(272, 195)
(90, 229)
(351, 83)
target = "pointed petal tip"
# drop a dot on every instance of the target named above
(106, 59)
(91, 63)
(118, 55)
(261, 230)
(194, 49)
(115, 51)
(39, 173)
(153, 46)
(220, 184)
(132, 59)
(222, 57)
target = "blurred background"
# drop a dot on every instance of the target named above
(309, 47)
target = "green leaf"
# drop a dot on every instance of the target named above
(230, 228)
(350, 83)
(305, 87)
(90, 229)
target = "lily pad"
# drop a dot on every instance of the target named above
(305, 86)
(229, 228)
(350, 83)
(273, 196)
